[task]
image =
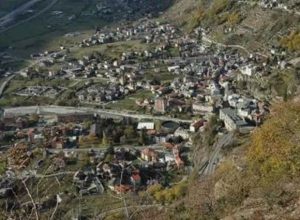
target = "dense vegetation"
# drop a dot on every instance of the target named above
(216, 13)
(292, 41)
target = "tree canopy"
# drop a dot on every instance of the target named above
(275, 147)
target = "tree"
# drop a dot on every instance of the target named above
(143, 137)
(33, 119)
(275, 149)
(87, 124)
(129, 132)
(157, 125)
(110, 150)
(233, 18)
(292, 41)
(105, 140)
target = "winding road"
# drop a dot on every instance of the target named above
(236, 46)
(5, 83)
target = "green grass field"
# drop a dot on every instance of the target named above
(7, 6)
(112, 50)
(128, 103)
(47, 30)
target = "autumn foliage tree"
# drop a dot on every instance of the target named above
(275, 147)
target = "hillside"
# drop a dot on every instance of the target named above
(258, 179)
(245, 23)
(150, 109)
(49, 21)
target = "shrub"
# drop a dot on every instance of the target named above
(233, 18)
(167, 195)
(291, 42)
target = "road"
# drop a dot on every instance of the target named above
(236, 46)
(44, 110)
(103, 149)
(4, 84)
(212, 163)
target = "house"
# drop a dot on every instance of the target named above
(160, 105)
(173, 68)
(247, 70)
(119, 186)
(194, 127)
(21, 123)
(57, 143)
(96, 130)
(202, 107)
(182, 133)
(231, 120)
(146, 125)
(179, 162)
(136, 178)
(119, 189)
(149, 154)
(169, 157)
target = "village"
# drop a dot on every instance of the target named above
(200, 79)
(180, 76)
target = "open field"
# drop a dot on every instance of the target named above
(46, 31)
(128, 103)
(112, 50)
(7, 6)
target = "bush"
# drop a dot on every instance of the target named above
(2, 166)
(291, 42)
(197, 17)
(233, 18)
(167, 195)
(218, 6)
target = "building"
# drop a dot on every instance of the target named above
(149, 154)
(182, 133)
(195, 126)
(231, 120)
(202, 107)
(145, 125)
(160, 105)
(247, 70)
(96, 130)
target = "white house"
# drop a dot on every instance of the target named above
(145, 125)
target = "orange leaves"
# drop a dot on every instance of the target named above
(275, 145)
